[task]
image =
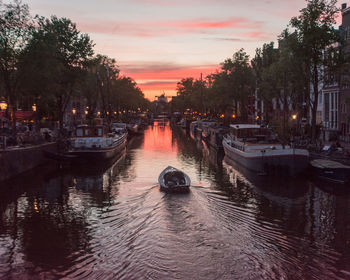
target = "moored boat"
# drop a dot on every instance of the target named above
(216, 135)
(256, 148)
(174, 180)
(331, 171)
(95, 143)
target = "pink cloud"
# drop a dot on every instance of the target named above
(212, 24)
(258, 35)
(164, 28)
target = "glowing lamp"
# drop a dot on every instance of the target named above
(3, 105)
(257, 117)
(86, 112)
(34, 107)
(294, 117)
(233, 116)
(222, 116)
(74, 111)
(98, 113)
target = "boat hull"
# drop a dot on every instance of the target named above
(330, 171)
(93, 155)
(289, 162)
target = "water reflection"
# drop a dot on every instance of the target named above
(40, 228)
(112, 222)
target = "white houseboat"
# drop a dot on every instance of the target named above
(96, 143)
(256, 148)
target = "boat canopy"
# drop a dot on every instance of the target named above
(90, 131)
(250, 132)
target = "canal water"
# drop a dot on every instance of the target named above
(113, 222)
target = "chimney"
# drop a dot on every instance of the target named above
(343, 6)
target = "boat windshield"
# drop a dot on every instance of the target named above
(252, 134)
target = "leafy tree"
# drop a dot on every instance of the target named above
(57, 54)
(15, 26)
(240, 80)
(316, 32)
(266, 81)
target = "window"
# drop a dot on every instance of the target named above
(99, 131)
(326, 107)
(79, 132)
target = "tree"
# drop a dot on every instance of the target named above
(15, 26)
(107, 71)
(316, 33)
(266, 81)
(240, 80)
(57, 54)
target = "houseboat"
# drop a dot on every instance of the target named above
(96, 143)
(256, 148)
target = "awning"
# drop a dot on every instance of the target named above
(21, 115)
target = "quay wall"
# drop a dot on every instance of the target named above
(14, 161)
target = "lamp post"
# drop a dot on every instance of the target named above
(74, 111)
(294, 119)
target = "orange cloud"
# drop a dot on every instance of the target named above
(159, 71)
(154, 78)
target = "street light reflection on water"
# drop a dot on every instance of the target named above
(113, 222)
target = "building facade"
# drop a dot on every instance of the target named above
(334, 101)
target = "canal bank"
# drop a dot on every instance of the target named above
(16, 160)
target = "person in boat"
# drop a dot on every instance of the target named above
(174, 178)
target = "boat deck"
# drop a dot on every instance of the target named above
(325, 163)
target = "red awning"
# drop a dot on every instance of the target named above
(25, 115)
(22, 115)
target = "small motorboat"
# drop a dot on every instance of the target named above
(173, 180)
(330, 170)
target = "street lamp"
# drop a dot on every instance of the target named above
(74, 111)
(34, 107)
(3, 104)
(294, 116)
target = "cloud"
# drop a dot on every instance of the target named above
(165, 28)
(165, 71)
(153, 83)
(224, 39)
(206, 23)
(154, 77)
(257, 35)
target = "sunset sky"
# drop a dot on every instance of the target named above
(159, 42)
